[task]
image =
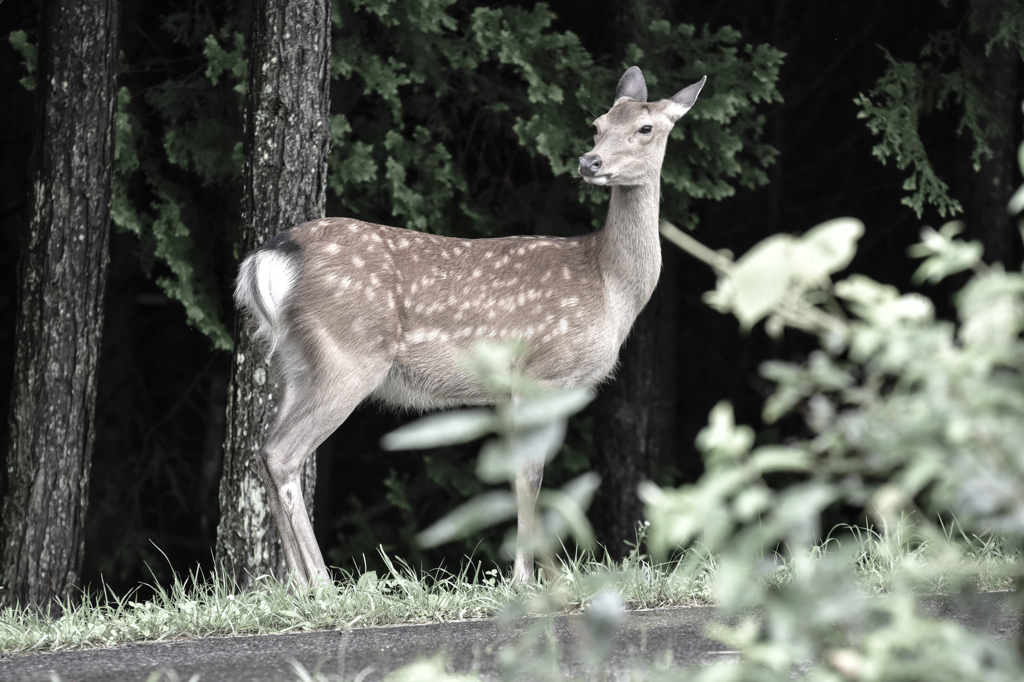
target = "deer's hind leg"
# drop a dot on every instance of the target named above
(313, 404)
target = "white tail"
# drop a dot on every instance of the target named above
(353, 310)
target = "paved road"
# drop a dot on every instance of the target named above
(655, 637)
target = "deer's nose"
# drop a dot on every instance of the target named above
(590, 164)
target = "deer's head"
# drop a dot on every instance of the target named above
(629, 146)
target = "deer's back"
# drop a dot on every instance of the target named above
(420, 301)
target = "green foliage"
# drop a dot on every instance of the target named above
(441, 99)
(947, 75)
(29, 58)
(185, 132)
(910, 418)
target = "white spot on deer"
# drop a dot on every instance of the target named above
(346, 282)
(358, 262)
(546, 276)
(563, 325)
(521, 299)
(414, 288)
(477, 272)
(406, 303)
(391, 301)
(332, 277)
(374, 279)
(332, 248)
(570, 302)
(445, 254)
(491, 314)
(566, 273)
(417, 336)
(521, 251)
(375, 237)
(403, 243)
(353, 227)
(457, 251)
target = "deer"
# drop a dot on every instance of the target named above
(350, 311)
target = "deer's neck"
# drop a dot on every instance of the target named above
(629, 251)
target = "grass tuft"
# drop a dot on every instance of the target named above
(197, 606)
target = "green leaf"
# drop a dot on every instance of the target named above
(771, 458)
(721, 439)
(533, 411)
(826, 248)
(500, 458)
(760, 279)
(944, 255)
(29, 58)
(567, 508)
(480, 512)
(450, 428)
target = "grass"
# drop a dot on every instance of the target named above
(197, 606)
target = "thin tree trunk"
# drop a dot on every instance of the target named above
(994, 182)
(285, 176)
(62, 274)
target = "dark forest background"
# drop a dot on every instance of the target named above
(431, 107)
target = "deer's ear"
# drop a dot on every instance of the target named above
(682, 101)
(631, 86)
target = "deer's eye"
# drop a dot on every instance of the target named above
(646, 130)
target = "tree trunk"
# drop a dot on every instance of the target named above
(62, 275)
(994, 183)
(634, 431)
(285, 177)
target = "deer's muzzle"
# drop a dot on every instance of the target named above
(590, 164)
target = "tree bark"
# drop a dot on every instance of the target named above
(634, 429)
(62, 275)
(994, 182)
(285, 177)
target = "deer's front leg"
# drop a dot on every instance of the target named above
(529, 475)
